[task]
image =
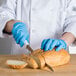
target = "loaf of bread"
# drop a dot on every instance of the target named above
(52, 58)
(56, 58)
(16, 64)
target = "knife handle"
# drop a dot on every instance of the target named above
(28, 46)
(26, 43)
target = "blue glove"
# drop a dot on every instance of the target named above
(20, 33)
(49, 44)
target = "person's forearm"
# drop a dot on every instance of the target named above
(68, 37)
(9, 25)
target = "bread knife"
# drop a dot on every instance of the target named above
(28, 46)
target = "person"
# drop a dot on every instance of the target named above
(44, 24)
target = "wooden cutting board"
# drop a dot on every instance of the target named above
(65, 70)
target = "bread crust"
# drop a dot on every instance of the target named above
(36, 52)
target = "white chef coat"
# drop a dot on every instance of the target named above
(44, 19)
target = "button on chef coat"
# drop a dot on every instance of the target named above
(44, 19)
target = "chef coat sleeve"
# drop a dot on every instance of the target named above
(70, 20)
(7, 12)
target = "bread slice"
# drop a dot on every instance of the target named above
(40, 60)
(54, 58)
(36, 55)
(31, 62)
(16, 64)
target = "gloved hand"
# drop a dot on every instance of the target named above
(20, 33)
(49, 44)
